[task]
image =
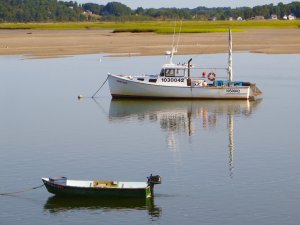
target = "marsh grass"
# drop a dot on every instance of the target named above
(160, 27)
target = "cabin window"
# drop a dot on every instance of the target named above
(162, 73)
(170, 72)
(153, 80)
(141, 79)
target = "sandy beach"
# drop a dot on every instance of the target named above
(54, 43)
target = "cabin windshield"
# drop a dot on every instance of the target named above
(172, 72)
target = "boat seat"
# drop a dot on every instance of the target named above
(102, 184)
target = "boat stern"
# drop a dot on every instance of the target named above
(255, 93)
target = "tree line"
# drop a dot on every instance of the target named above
(65, 11)
(39, 11)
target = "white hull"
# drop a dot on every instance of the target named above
(124, 87)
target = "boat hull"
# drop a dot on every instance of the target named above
(63, 190)
(121, 87)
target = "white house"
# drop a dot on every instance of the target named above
(291, 17)
(87, 13)
(273, 17)
(259, 18)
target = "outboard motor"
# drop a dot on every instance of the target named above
(154, 179)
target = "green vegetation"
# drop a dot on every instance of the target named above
(54, 14)
(68, 11)
(201, 26)
(39, 11)
(161, 27)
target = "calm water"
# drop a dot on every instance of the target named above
(222, 162)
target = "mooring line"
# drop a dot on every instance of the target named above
(18, 192)
(100, 87)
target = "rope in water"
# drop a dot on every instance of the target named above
(22, 191)
(100, 87)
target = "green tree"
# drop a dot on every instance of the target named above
(116, 9)
(92, 7)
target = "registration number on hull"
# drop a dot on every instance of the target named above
(172, 79)
(233, 91)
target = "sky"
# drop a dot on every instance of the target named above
(133, 4)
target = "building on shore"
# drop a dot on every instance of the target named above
(259, 18)
(273, 17)
(291, 17)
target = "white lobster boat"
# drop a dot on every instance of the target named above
(178, 81)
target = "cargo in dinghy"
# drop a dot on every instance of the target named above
(101, 188)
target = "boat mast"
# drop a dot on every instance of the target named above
(230, 58)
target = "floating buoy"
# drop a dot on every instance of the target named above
(80, 97)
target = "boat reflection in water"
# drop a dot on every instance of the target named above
(57, 204)
(183, 116)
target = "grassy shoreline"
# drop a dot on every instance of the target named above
(159, 27)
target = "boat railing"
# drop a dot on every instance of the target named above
(210, 68)
(207, 72)
(195, 73)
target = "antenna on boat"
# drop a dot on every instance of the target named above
(230, 57)
(174, 47)
(174, 34)
(178, 36)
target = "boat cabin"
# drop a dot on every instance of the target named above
(172, 70)
(185, 75)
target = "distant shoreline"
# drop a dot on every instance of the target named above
(59, 43)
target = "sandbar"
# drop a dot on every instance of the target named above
(60, 43)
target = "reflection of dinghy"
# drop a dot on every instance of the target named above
(179, 81)
(100, 188)
(56, 204)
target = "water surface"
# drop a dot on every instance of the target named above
(222, 162)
